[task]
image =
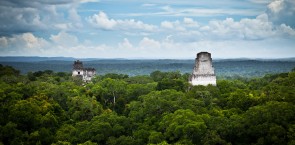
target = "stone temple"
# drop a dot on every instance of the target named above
(203, 73)
(86, 74)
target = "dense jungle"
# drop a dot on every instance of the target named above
(48, 107)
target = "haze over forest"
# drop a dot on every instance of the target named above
(148, 29)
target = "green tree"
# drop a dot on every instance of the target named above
(8, 70)
(88, 143)
(111, 90)
(122, 140)
(66, 133)
(10, 134)
(115, 76)
(175, 84)
(241, 99)
(139, 80)
(154, 104)
(268, 124)
(183, 125)
(136, 90)
(83, 108)
(101, 127)
(156, 137)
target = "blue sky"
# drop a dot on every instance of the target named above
(147, 29)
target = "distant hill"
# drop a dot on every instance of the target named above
(223, 67)
(33, 59)
(40, 59)
(255, 59)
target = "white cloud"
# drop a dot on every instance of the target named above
(64, 39)
(244, 29)
(258, 28)
(148, 43)
(282, 12)
(276, 6)
(176, 25)
(64, 26)
(27, 41)
(3, 41)
(102, 21)
(28, 44)
(286, 30)
(167, 24)
(32, 16)
(133, 24)
(125, 44)
(73, 15)
(268, 48)
(30, 39)
(62, 44)
(20, 19)
(189, 22)
(177, 35)
(148, 5)
(168, 9)
(221, 49)
(88, 1)
(23, 44)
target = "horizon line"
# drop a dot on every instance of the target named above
(147, 58)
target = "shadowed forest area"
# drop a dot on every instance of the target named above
(47, 107)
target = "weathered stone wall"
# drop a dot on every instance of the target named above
(203, 72)
(88, 74)
(76, 72)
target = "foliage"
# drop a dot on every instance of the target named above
(8, 70)
(46, 107)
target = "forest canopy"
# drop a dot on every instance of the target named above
(47, 107)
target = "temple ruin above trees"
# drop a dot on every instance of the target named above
(203, 72)
(86, 74)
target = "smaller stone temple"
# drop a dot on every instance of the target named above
(203, 72)
(86, 74)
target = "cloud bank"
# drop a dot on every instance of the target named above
(102, 21)
(70, 32)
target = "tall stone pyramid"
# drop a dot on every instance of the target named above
(203, 73)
